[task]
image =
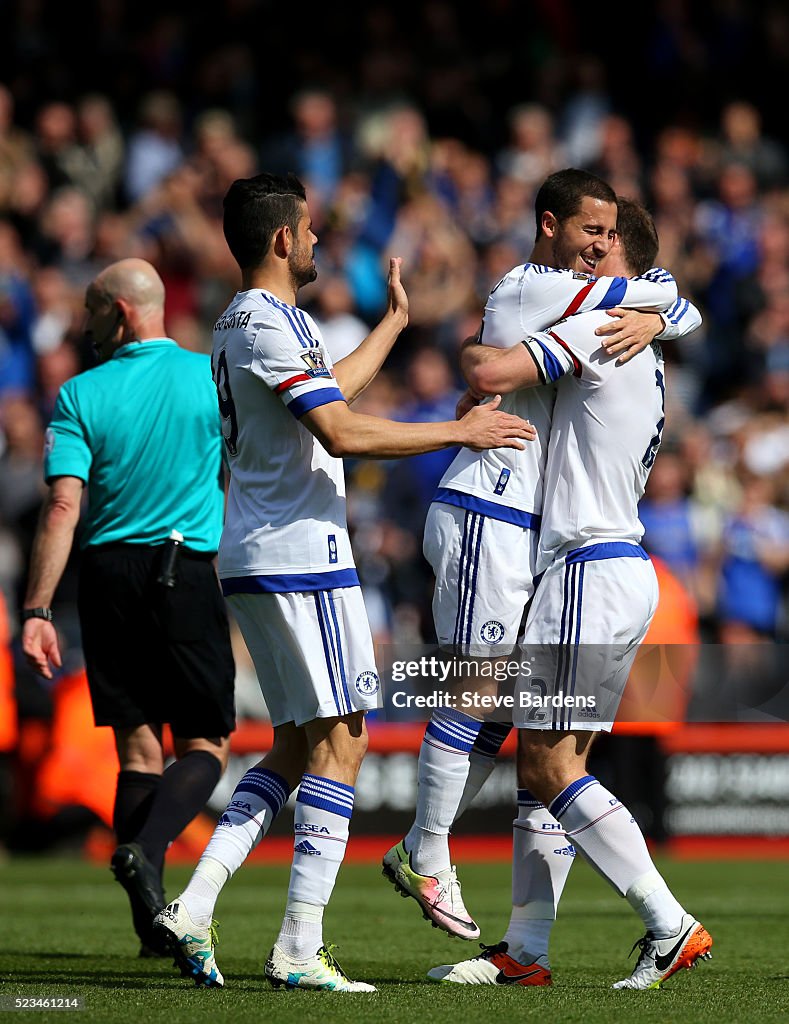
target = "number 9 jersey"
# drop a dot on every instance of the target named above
(285, 524)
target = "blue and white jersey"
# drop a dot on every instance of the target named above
(285, 524)
(607, 426)
(505, 483)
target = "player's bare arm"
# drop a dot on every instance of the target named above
(357, 369)
(492, 371)
(344, 433)
(51, 549)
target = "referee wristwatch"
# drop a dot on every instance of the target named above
(36, 613)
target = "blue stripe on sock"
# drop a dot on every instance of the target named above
(326, 795)
(456, 734)
(267, 785)
(528, 799)
(560, 803)
(491, 737)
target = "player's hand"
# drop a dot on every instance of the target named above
(629, 332)
(40, 644)
(397, 297)
(485, 427)
(468, 400)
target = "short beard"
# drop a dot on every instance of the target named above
(301, 274)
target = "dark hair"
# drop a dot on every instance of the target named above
(256, 208)
(637, 235)
(563, 192)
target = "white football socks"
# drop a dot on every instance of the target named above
(441, 777)
(257, 800)
(482, 761)
(541, 861)
(323, 812)
(604, 830)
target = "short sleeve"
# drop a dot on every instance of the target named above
(66, 449)
(501, 322)
(571, 348)
(292, 360)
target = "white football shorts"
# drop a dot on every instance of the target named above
(591, 610)
(312, 651)
(484, 572)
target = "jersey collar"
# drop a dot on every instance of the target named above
(135, 347)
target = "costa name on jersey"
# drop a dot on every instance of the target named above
(285, 523)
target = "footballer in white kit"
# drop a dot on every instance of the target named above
(285, 560)
(481, 529)
(599, 591)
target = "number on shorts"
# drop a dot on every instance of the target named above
(539, 689)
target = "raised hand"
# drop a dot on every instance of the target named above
(397, 296)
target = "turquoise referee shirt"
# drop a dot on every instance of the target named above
(143, 432)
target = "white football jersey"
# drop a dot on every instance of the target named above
(506, 483)
(285, 522)
(607, 426)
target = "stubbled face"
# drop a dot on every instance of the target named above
(582, 240)
(301, 260)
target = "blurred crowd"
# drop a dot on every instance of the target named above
(429, 145)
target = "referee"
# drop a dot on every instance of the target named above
(142, 431)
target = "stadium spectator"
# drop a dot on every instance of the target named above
(755, 560)
(155, 148)
(675, 526)
(341, 329)
(742, 140)
(100, 151)
(17, 314)
(532, 151)
(141, 431)
(316, 148)
(56, 143)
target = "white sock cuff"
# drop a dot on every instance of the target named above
(297, 910)
(534, 910)
(213, 872)
(644, 886)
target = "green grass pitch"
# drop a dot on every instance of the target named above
(66, 932)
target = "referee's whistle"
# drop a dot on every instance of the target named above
(167, 576)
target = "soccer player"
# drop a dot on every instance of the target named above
(142, 432)
(287, 569)
(482, 527)
(590, 612)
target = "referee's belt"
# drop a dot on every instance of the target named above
(183, 550)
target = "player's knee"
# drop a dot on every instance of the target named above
(534, 776)
(218, 746)
(339, 749)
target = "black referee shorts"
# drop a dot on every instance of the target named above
(156, 654)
